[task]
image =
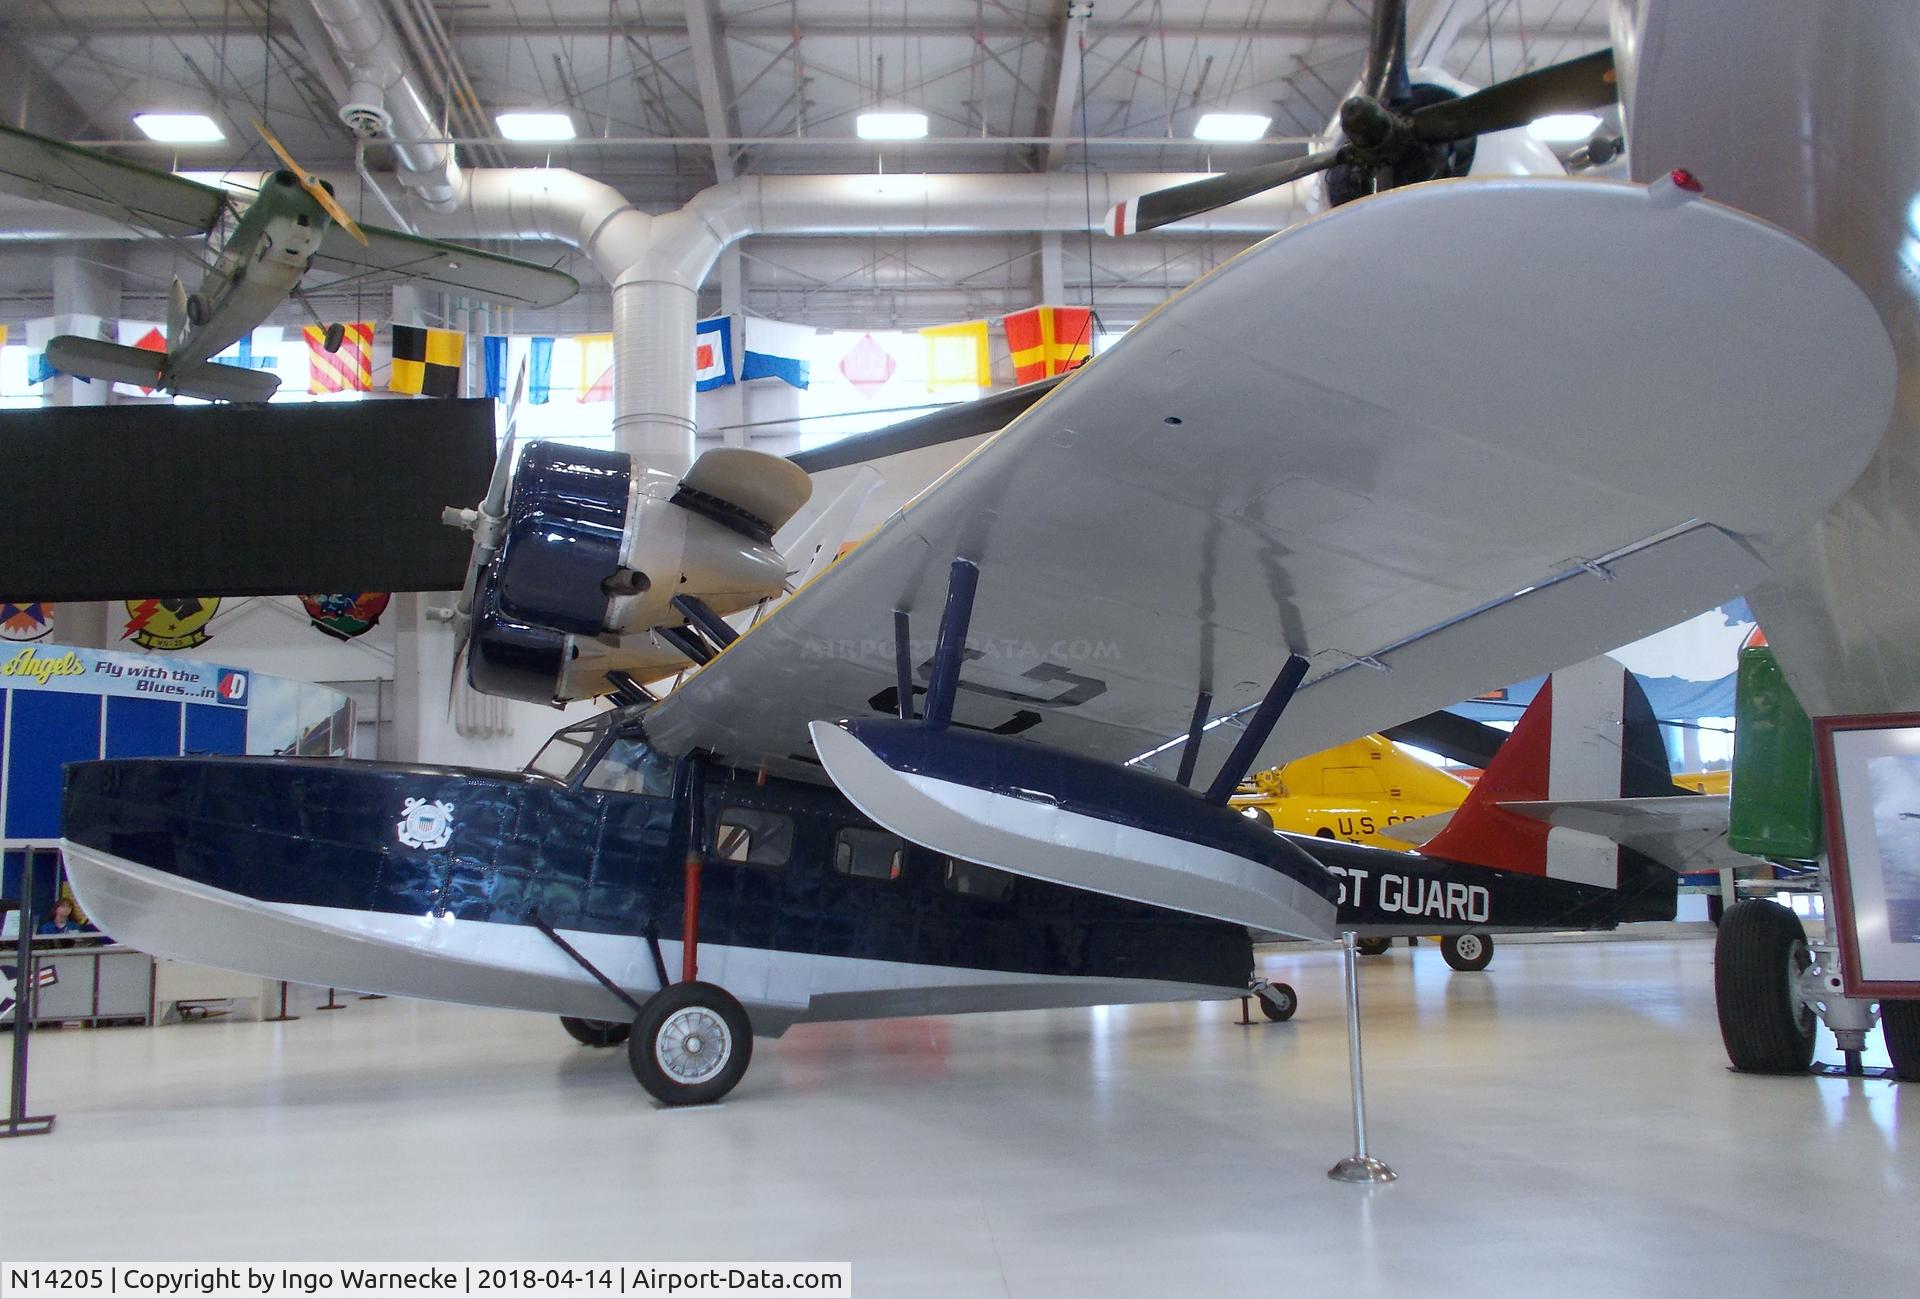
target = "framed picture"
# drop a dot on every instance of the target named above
(1870, 778)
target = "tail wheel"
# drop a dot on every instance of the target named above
(1900, 1027)
(1758, 957)
(691, 1044)
(1278, 1001)
(1373, 946)
(595, 1032)
(1467, 951)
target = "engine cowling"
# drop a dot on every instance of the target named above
(593, 553)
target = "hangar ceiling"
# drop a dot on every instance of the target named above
(668, 95)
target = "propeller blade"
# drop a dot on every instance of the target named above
(1585, 82)
(1178, 202)
(315, 190)
(1385, 75)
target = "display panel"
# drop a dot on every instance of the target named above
(161, 502)
(1870, 774)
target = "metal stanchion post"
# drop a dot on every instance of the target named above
(1359, 1166)
(331, 1003)
(19, 1123)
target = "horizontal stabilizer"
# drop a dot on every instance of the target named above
(1681, 833)
(212, 381)
(1058, 840)
(91, 358)
(178, 501)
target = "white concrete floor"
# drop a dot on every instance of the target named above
(1564, 1124)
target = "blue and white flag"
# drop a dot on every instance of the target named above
(772, 350)
(539, 370)
(713, 353)
(494, 364)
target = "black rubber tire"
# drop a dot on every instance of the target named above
(197, 313)
(336, 334)
(1716, 907)
(596, 1032)
(1468, 952)
(1373, 946)
(1762, 1023)
(1900, 1029)
(1278, 1001)
(659, 1015)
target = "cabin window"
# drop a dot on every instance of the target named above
(868, 854)
(753, 836)
(972, 880)
(630, 767)
(1353, 780)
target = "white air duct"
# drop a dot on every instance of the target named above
(383, 100)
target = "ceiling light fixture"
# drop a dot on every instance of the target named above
(891, 125)
(179, 128)
(1563, 128)
(535, 125)
(1231, 126)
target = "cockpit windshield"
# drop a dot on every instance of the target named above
(562, 755)
(621, 763)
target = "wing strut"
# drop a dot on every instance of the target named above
(1247, 748)
(903, 664)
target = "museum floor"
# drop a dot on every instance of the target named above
(1563, 1124)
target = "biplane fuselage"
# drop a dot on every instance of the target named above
(260, 264)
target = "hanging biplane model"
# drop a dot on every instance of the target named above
(1366, 469)
(264, 250)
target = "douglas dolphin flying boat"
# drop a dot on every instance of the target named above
(932, 779)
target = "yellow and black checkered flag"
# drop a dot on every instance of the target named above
(348, 370)
(427, 361)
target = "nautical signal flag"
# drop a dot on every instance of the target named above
(348, 370)
(1046, 341)
(493, 357)
(540, 370)
(427, 361)
(957, 356)
(596, 367)
(712, 353)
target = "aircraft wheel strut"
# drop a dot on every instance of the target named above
(691, 1044)
(595, 1032)
(1467, 951)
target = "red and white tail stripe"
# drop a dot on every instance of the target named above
(1568, 746)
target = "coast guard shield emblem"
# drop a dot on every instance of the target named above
(424, 824)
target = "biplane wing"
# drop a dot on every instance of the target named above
(452, 268)
(1439, 440)
(35, 167)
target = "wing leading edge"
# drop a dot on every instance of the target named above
(1376, 439)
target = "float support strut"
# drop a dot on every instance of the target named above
(1202, 705)
(951, 649)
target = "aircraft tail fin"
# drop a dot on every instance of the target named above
(1588, 735)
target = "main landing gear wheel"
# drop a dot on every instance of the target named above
(336, 335)
(1758, 957)
(197, 312)
(1900, 1027)
(1467, 951)
(691, 1044)
(595, 1032)
(1278, 1001)
(1373, 946)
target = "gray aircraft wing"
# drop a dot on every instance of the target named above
(1437, 440)
(35, 167)
(453, 268)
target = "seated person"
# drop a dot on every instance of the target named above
(63, 923)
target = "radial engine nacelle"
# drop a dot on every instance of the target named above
(593, 553)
